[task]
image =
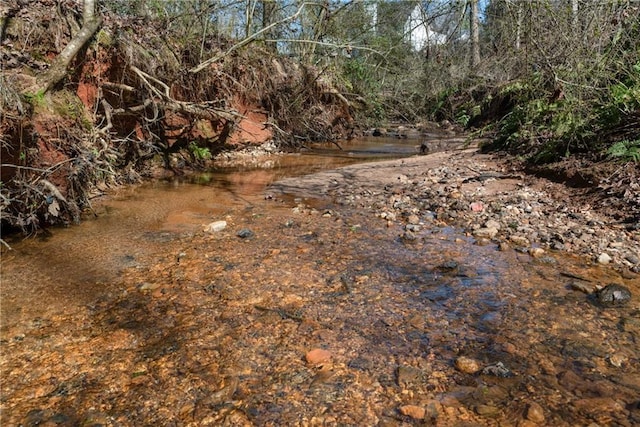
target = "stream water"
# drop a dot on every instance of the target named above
(137, 317)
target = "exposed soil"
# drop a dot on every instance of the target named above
(371, 299)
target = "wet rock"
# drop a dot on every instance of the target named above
(613, 295)
(497, 370)
(216, 226)
(467, 365)
(492, 224)
(413, 411)
(318, 356)
(245, 233)
(587, 288)
(598, 405)
(535, 413)
(145, 287)
(504, 246)
(519, 240)
(631, 258)
(617, 360)
(450, 265)
(483, 241)
(409, 236)
(413, 219)
(323, 375)
(537, 252)
(413, 228)
(433, 409)
(408, 375)
(487, 232)
(36, 417)
(487, 410)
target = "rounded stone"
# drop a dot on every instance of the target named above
(537, 252)
(216, 226)
(467, 365)
(413, 411)
(317, 356)
(613, 294)
(604, 258)
(535, 413)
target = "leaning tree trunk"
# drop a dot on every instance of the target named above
(58, 69)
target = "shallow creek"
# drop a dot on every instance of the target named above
(138, 317)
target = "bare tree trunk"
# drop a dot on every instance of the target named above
(58, 69)
(268, 11)
(518, 42)
(475, 33)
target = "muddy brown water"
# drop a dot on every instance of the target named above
(138, 317)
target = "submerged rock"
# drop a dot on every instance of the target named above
(467, 365)
(613, 294)
(497, 370)
(535, 413)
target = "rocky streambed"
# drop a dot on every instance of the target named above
(432, 290)
(491, 202)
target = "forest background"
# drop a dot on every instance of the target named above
(94, 92)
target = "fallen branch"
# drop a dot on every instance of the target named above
(167, 102)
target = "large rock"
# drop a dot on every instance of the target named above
(613, 294)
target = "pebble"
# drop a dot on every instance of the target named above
(582, 287)
(318, 356)
(408, 375)
(413, 411)
(486, 232)
(216, 226)
(604, 258)
(519, 240)
(617, 360)
(413, 219)
(467, 365)
(537, 252)
(149, 286)
(492, 224)
(487, 410)
(476, 207)
(244, 233)
(433, 409)
(497, 370)
(535, 413)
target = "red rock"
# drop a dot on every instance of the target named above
(476, 207)
(317, 356)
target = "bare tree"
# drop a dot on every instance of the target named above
(475, 33)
